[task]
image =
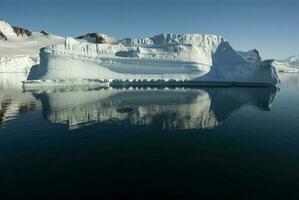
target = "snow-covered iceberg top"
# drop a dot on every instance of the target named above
(188, 57)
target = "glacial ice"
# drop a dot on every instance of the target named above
(178, 57)
(96, 56)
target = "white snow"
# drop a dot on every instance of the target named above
(18, 54)
(7, 30)
(290, 65)
(95, 56)
(9, 64)
(92, 37)
(193, 57)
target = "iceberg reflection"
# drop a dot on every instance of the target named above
(13, 101)
(193, 108)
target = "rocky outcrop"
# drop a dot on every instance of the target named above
(98, 38)
(2, 36)
(44, 33)
(21, 31)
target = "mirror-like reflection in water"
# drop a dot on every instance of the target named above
(164, 108)
(13, 101)
(149, 143)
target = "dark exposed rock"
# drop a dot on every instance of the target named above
(98, 38)
(2, 36)
(44, 33)
(80, 37)
(21, 31)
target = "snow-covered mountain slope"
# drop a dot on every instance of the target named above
(290, 64)
(251, 55)
(7, 31)
(20, 50)
(167, 108)
(193, 57)
(98, 38)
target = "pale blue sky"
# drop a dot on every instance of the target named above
(270, 26)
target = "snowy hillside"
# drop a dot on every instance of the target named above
(290, 64)
(19, 47)
(192, 57)
(6, 31)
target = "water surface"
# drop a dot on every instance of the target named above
(147, 143)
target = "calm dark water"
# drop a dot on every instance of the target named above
(79, 143)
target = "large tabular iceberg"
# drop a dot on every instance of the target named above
(167, 57)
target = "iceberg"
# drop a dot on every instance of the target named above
(167, 58)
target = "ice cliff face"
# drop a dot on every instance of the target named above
(175, 39)
(165, 56)
(168, 47)
(19, 47)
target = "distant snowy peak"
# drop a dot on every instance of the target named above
(6, 31)
(251, 55)
(19, 47)
(12, 32)
(98, 38)
(175, 39)
(293, 60)
(291, 64)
